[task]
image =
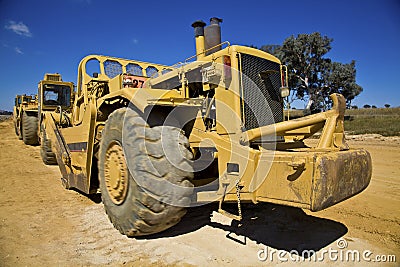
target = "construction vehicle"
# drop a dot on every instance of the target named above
(55, 103)
(158, 139)
(25, 118)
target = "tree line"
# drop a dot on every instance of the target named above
(369, 106)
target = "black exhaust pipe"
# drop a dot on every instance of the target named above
(212, 36)
(198, 26)
(199, 35)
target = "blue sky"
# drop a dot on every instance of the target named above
(53, 36)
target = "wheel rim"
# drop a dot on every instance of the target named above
(116, 173)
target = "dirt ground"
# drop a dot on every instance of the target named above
(42, 224)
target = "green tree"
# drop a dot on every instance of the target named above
(341, 78)
(313, 76)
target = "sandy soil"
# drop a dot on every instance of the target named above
(42, 224)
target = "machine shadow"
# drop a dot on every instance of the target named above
(95, 198)
(276, 226)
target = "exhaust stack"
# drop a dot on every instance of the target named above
(207, 37)
(212, 35)
(199, 35)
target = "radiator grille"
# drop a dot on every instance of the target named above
(260, 82)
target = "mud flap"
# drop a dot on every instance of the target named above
(338, 176)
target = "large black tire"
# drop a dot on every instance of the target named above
(30, 129)
(48, 156)
(141, 203)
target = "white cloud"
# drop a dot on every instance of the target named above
(19, 28)
(18, 50)
(135, 41)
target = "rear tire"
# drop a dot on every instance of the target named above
(143, 209)
(48, 156)
(29, 129)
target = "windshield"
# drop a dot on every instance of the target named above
(56, 95)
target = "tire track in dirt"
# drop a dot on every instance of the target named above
(41, 222)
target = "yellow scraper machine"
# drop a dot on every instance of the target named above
(156, 140)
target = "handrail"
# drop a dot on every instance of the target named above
(332, 134)
(203, 52)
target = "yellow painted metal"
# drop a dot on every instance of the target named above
(54, 79)
(332, 121)
(200, 50)
(23, 103)
(84, 78)
(285, 172)
(116, 173)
